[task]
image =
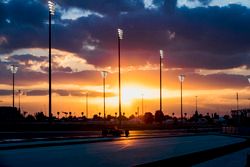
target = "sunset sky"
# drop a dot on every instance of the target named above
(206, 40)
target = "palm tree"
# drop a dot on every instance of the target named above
(66, 114)
(24, 113)
(58, 113)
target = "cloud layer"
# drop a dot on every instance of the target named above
(199, 35)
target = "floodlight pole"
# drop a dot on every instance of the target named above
(19, 99)
(120, 35)
(196, 103)
(181, 78)
(13, 69)
(50, 111)
(249, 83)
(13, 90)
(87, 112)
(142, 106)
(104, 114)
(161, 57)
(104, 75)
(51, 12)
(181, 104)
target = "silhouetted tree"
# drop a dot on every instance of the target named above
(40, 116)
(131, 116)
(66, 114)
(208, 118)
(25, 113)
(159, 116)
(58, 113)
(167, 117)
(96, 117)
(109, 117)
(30, 118)
(148, 118)
(216, 116)
(226, 117)
(195, 117)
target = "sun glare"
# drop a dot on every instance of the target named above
(130, 93)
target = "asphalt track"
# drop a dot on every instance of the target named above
(127, 152)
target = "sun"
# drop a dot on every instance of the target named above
(130, 93)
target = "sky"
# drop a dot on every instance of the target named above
(206, 40)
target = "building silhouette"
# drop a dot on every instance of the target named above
(9, 114)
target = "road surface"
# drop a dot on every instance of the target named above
(236, 159)
(116, 153)
(7, 137)
(55, 134)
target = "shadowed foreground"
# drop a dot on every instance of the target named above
(117, 153)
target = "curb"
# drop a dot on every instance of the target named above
(189, 160)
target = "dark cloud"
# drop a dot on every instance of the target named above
(29, 13)
(211, 37)
(205, 2)
(81, 93)
(5, 74)
(26, 27)
(106, 7)
(170, 6)
(193, 81)
(2, 14)
(60, 92)
(28, 57)
(210, 34)
(37, 93)
(216, 81)
(5, 92)
(84, 77)
(61, 69)
(22, 77)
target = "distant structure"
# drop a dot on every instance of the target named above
(241, 116)
(242, 113)
(9, 114)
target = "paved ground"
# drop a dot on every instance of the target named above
(237, 159)
(19, 136)
(115, 153)
(28, 137)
